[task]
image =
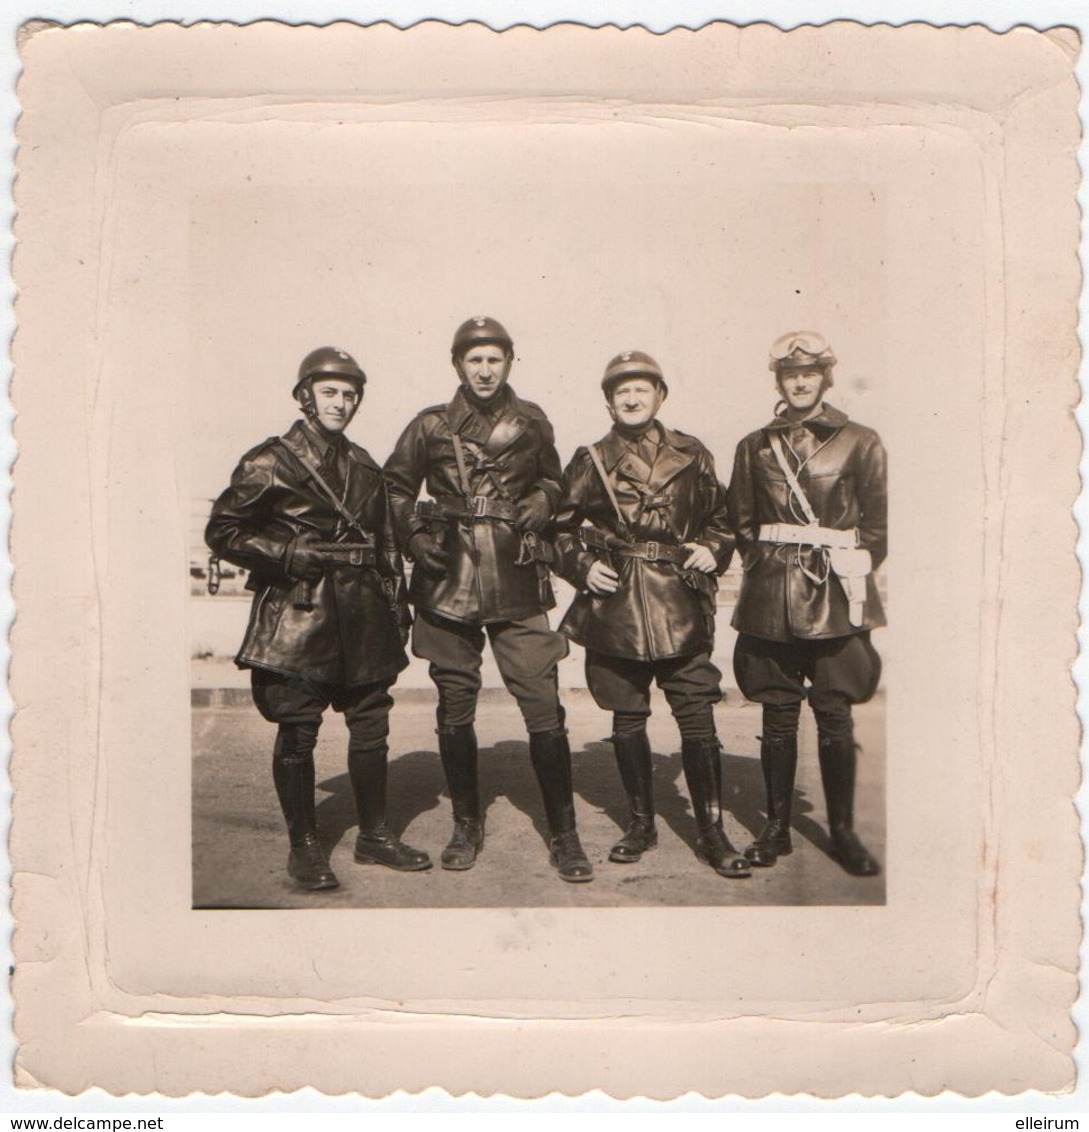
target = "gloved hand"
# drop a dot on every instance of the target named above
(602, 579)
(302, 562)
(534, 512)
(700, 559)
(427, 551)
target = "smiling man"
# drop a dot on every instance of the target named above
(643, 531)
(808, 500)
(306, 514)
(488, 460)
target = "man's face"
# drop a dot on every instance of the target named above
(484, 369)
(635, 402)
(335, 402)
(802, 389)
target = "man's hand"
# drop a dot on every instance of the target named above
(534, 512)
(427, 550)
(700, 559)
(602, 579)
(303, 563)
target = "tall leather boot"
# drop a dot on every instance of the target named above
(838, 759)
(376, 843)
(293, 777)
(550, 754)
(779, 761)
(458, 750)
(703, 772)
(633, 758)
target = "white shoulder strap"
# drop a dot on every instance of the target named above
(792, 479)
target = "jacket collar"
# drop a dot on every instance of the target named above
(470, 424)
(675, 452)
(829, 418)
(305, 432)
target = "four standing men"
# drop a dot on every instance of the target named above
(641, 525)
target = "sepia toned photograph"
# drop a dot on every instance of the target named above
(584, 514)
(601, 547)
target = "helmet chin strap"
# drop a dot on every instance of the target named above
(310, 409)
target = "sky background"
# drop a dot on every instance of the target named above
(695, 244)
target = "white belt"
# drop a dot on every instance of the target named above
(813, 535)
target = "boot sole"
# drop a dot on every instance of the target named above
(737, 875)
(845, 866)
(458, 866)
(573, 880)
(421, 867)
(319, 886)
(629, 860)
(774, 856)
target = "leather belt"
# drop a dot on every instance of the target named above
(593, 539)
(794, 535)
(347, 553)
(654, 552)
(458, 510)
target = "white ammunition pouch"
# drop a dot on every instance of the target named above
(847, 560)
(852, 566)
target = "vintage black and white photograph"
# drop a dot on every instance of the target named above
(570, 581)
(538, 525)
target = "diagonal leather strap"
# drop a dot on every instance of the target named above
(596, 458)
(311, 466)
(463, 472)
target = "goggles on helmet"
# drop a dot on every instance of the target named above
(800, 348)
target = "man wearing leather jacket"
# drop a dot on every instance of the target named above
(643, 531)
(307, 515)
(488, 461)
(808, 500)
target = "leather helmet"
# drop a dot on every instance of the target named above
(800, 349)
(328, 361)
(479, 331)
(632, 363)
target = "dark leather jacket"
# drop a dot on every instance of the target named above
(506, 461)
(660, 610)
(845, 481)
(352, 634)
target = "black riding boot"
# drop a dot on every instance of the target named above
(458, 749)
(703, 773)
(779, 761)
(633, 757)
(293, 776)
(376, 843)
(838, 758)
(551, 757)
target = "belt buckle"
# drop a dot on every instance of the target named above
(355, 556)
(479, 507)
(652, 551)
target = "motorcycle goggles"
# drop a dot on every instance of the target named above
(800, 348)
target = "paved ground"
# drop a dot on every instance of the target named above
(240, 848)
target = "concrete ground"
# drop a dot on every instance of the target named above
(240, 847)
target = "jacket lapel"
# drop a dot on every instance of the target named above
(675, 453)
(513, 421)
(464, 421)
(612, 449)
(364, 479)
